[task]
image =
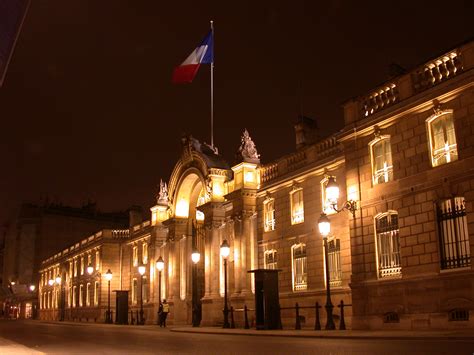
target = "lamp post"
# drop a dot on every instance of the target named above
(141, 270)
(160, 265)
(225, 251)
(195, 257)
(332, 194)
(57, 281)
(108, 316)
(324, 228)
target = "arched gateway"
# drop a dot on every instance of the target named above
(207, 202)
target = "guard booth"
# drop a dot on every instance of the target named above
(267, 299)
(121, 307)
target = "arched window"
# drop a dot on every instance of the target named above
(269, 214)
(388, 244)
(442, 137)
(297, 207)
(325, 202)
(381, 159)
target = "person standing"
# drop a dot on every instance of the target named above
(164, 314)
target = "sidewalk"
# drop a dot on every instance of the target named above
(461, 334)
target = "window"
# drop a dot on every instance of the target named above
(97, 259)
(144, 253)
(297, 208)
(442, 138)
(269, 214)
(69, 297)
(49, 299)
(70, 269)
(75, 267)
(135, 255)
(88, 294)
(298, 261)
(381, 159)
(453, 233)
(325, 202)
(96, 293)
(182, 268)
(270, 260)
(81, 287)
(89, 259)
(388, 244)
(334, 262)
(74, 299)
(145, 289)
(82, 265)
(134, 291)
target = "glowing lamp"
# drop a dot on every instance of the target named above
(324, 225)
(90, 269)
(225, 249)
(332, 190)
(51, 282)
(142, 269)
(32, 288)
(58, 280)
(195, 256)
(108, 275)
(160, 264)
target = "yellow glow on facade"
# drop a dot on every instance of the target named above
(182, 208)
(352, 193)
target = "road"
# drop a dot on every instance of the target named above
(34, 337)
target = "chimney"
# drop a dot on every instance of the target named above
(306, 131)
(135, 215)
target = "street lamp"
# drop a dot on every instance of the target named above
(50, 282)
(332, 195)
(160, 265)
(32, 288)
(90, 269)
(195, 257)
(324, 228)
(141, 271)
(225, 252)
(108, 277)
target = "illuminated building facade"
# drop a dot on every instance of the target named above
(402, 260)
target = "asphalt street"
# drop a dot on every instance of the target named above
(34, 337)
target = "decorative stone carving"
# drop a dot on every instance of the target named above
(162, 198)
(247, 150)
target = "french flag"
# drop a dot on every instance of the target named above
(203, 54)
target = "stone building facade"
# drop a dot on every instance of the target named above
(401, 259)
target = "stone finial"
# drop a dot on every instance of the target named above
(162, 197)
(247, 150)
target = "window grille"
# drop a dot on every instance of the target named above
(270, 259)
(88, 294)
(300, 281)
(96, 293)
(458, 315)
(442, 137)
(391, 317)
(269, 214)
(80, 295)
(454, 235)
(388, 245)
(297, 208)
(334, 262)
(381, 155)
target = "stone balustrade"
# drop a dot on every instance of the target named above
(379, 99)
(436, 71)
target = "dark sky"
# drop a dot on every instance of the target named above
(88, 110)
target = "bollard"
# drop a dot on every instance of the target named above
(280, 325)
(246, 326)
(298, 323)
(232, 322)
(342, 323)
(317, 324)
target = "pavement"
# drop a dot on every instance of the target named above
(457, 334)
(454, 334)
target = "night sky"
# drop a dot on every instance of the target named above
(88, 111)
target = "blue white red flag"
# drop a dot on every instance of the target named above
(12, 13)
(203, 54)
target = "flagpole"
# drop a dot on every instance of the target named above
(212, 86)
